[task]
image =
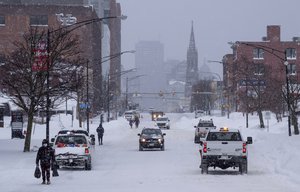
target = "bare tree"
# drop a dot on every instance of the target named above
(202, 95)
(26, 70)
(253, 88)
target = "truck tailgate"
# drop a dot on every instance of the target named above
(234, 148)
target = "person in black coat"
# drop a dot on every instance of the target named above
(45, 157)
(100, 131)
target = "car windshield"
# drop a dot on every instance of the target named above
(71, 139)
(129, 113)
(151, 131)
(162, 119)
(73, 131)
(201, 124)
(223, 136)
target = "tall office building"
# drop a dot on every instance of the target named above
(149, 59)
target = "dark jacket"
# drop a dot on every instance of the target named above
(100, 130)
(45, 156)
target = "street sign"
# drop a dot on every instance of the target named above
(268, 115)
(84, 105)
(252, 82)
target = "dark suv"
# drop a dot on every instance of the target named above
(151, 138)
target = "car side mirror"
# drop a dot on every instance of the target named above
(249, 140)
(164, 134)
(52, 140)
(139, 134)
(195, 126)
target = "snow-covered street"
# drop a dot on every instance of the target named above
(119, 166)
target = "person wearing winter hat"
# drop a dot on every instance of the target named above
(45, 157)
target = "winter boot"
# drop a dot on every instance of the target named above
(48, 182)
(44, 182)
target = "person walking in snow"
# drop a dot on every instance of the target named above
(137, 121)
(45, 158)
(100, 131)
(131, 121)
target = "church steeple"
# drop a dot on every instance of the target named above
(192, 38)
(192, 64)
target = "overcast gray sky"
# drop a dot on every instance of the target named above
(216, 22)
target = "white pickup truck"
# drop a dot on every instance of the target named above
(202, 128)
(224, 148)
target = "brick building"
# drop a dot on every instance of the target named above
(115, 51)
(17, 16)
(266, 59)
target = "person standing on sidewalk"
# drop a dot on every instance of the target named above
(100, 131)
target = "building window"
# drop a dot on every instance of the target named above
(2, 20)
(38, 20)
(258, 53)
(292, 69)
(259, 69)
(290, 53)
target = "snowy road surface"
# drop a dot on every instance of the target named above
(118, 166)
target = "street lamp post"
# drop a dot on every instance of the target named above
(216, 74)
(288, 96)
(126, 95)
(87, 98)
(221, 62)
(103, 60)
(108, 88)
(73, 27)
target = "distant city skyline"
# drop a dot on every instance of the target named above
(216, 22)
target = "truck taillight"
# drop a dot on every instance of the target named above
(204, 147)
(244, 148)
(86, 150)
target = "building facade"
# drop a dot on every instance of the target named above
(258, 66)
(17, 17)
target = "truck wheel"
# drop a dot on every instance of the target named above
(243, 167)
(88, 166)
(204, 168)
(196, 140)
(141, 148)
(162, 148)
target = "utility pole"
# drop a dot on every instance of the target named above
(288, 93)
(48, 87)
(126, 96)
(108, 98)
(87, 105)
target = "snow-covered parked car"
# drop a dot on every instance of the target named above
(73, 150)
(163, 122)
